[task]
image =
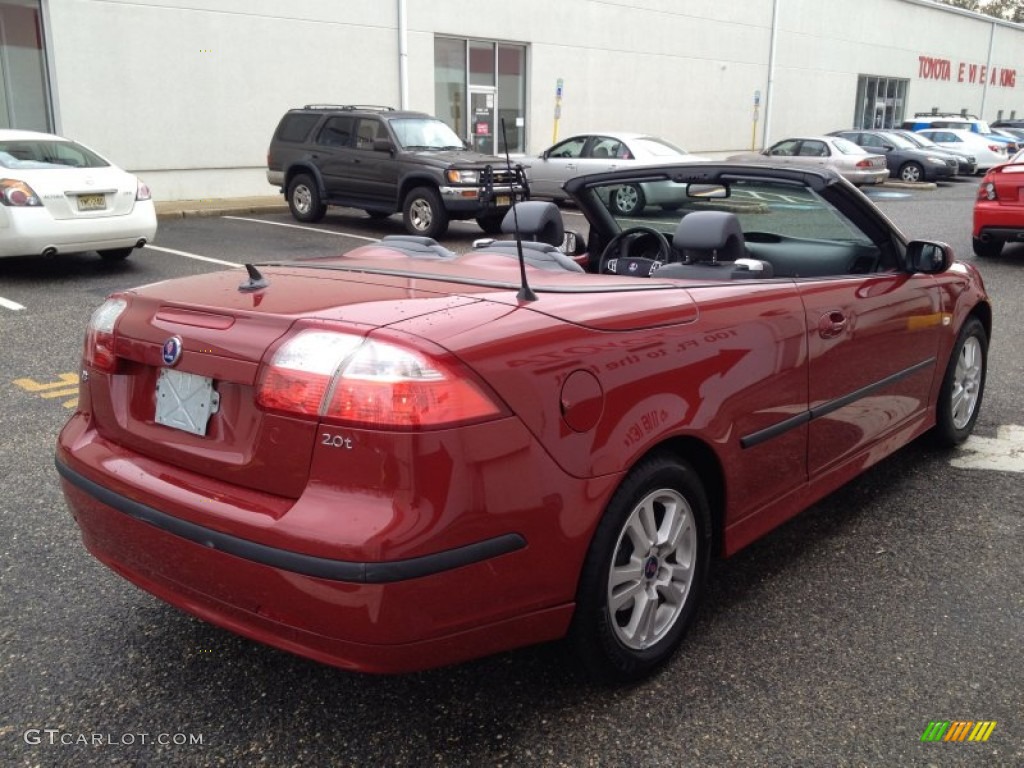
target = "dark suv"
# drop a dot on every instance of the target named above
(384, 161)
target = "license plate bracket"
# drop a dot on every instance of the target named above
(185, 401)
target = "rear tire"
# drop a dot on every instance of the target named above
(987, 249)
(115, 254)
(304, 199)
(963, 386)
(424, 213)
(628, 200)
(644, 572)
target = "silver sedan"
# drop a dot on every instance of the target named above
(841, 155)
(598, 152)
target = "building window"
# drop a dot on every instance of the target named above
(880, 102)
(477, 85)
(24, 89)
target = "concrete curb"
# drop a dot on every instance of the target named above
(189, 208)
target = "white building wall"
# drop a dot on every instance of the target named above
(187, 93)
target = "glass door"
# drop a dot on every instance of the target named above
(482, 124)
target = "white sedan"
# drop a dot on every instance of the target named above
(600, 152)
(989, 152)
(57, 196)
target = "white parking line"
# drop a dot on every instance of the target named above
(308, 229)
(8, 304)
(188, 255)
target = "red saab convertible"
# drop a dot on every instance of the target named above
(403, 457)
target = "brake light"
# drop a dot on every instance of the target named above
(864, 163)
(998, 148)
(343, 377)
(142, 192)
(987, 191)
(99, 336)
(18, 194)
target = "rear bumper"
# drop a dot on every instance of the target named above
(867, 177)
(31, 231)
(997, 221)
(297, 577)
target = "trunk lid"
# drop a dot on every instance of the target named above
(82, 193)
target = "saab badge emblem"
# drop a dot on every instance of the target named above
(171, 351)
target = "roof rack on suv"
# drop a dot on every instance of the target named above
(351, 107)
(937, 113)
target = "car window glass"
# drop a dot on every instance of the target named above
(785, 148)
(813, 149)
(847, 147)
(337, 132)
(425, 133)
(604, 147)
(296, 127)
(569, 148)
(367, 130)
(41, 154)
(869, 140)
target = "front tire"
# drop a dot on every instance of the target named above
(963, 386)
(628, 200)
(304, 199)
(424, 213)
(644, 573)
(115, 254)
(912, 173)
(987, 249)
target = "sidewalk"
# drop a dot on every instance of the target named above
(236, 206)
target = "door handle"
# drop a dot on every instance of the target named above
(571, 166)
(831, 324)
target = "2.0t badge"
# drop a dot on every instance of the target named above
(171, 351)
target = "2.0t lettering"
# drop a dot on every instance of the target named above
(336, 441)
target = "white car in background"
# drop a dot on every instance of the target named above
(988, 152)
(588, 153)
(57, 196)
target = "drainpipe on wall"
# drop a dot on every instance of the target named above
(403, 57)
(988, 69)
(768, 93)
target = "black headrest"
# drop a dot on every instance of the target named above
(709, 236)
(538, 220)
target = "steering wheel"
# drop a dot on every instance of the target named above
(621, 246)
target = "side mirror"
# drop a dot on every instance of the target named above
(573, 243)
(927, 257)
(382, 145)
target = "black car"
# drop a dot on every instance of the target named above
(967, 162)
(906, 161)
(383, 161)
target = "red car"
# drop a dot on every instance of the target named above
(999, 208)
(404, 457)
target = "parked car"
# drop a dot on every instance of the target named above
(967, 163)
(384, 161)
(598, 152)
(841, 155)
(905, 160)
(987, 152)
(58, 196)
(924, 121)
(999, 208)
(403, 457)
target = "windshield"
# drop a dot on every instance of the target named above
(900, 141)
(47, 154)
(425, 133)
(767, 207)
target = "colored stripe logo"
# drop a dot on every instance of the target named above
(958, 730)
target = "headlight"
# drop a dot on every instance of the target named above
(455, 176)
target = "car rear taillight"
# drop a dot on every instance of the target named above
(18, 194)
(864, 163)
(998, 148)
(99, 337)
(987, 191)
(142, 192)
(338, 376)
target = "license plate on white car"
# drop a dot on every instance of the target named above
(185, 401)
(502, 200)
(92, 202)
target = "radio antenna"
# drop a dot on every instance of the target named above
(525, 292)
